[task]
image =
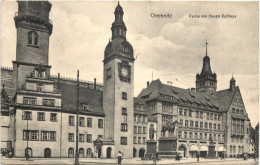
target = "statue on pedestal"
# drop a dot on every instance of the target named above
(170, 127)
(151, 132)
(211, 141)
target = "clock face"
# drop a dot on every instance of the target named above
(124, 72)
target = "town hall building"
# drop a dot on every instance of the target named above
(38, 110)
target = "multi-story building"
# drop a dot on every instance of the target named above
(202, 114)
(140, 127)
(39, 110)
(41, 117)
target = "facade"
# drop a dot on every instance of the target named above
(140, 127)
(39, 109)
(202, 114)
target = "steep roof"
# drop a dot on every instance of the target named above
(91, 97)
(179, 95)
(225, 98)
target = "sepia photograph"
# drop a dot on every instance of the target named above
(129, 82)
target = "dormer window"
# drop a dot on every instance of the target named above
(33, 38)
(85, 106)
(40, 73)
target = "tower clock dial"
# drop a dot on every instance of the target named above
(124, 72)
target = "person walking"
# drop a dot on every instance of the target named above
(198, 156)
(154, 159)
(119, 157)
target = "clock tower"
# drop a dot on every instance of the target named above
(118, 97)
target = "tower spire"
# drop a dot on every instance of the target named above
(206, 47)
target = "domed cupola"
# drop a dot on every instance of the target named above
(119, 46)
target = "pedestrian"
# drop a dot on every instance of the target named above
(198, 156)
(223, 156)
(119, 157)
(154, 159)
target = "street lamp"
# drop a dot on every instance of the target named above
(77, 124)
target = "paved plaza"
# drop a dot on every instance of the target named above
(5, 161)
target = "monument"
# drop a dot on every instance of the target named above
(168, 142)
(151, 143)
(211, 150)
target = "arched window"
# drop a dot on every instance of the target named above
(89, 153)
(32, 38)
(81, 152)
(71, 152)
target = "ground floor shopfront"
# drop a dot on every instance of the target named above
(190, 149)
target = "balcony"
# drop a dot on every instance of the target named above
(31, 14)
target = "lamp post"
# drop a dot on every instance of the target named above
(77, 124)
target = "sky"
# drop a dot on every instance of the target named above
(171, 49)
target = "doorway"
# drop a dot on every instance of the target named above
(109, 149)
(47, 153)
(134, 152)
(141, 152)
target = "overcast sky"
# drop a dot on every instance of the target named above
(170, 48)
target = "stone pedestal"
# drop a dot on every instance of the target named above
(151, 147)
(167, 147)
(211, 152)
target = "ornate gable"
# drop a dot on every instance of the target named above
(237, 99)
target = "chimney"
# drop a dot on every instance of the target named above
(95, 83)
(147, 84)
(193, 89)
(58, 85)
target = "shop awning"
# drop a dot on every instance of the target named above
(204, 148)
(221, 148)
(194, 148)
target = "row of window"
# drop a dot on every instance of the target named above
(196, 135)
(140, 130)
(139, 140)
(237, 140)
(27, 115)
(82, 122)
(190, 123)
(199, 114)
(81, 152)
(211, 83)
(237, 126)
(233, 149)
(34, 135)
(32, 101)
(237, 111)
(82, 137)
(140, 118)
(166, 108)
(166, 119)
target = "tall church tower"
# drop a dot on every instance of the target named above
(119, 87)
(33, 30)
(206, 81)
